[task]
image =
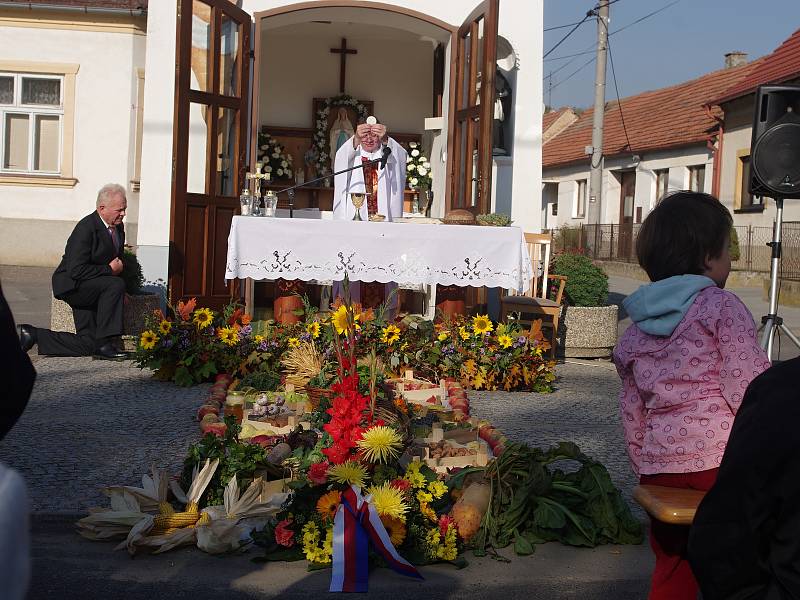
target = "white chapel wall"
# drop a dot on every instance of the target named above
(104, 139)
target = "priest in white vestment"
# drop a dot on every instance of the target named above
(384, 187)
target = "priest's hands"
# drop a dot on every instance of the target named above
(362, 131)
(369, 137)
(379, 130)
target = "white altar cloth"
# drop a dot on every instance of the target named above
(313, 249)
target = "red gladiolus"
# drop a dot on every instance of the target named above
(283, 535)
(318, 473)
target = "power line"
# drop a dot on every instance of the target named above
(647, 16)
(575, 72)
(619, 102)
(561, 26)
(569, 55)
(571, 31)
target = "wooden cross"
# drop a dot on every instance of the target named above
(343, 52)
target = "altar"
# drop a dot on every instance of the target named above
(425, 254)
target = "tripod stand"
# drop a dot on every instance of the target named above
(771, 322)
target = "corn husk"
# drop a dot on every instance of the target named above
(153, 491)
(140, 538)
(115, 523)
(300, 364)
(230, 524)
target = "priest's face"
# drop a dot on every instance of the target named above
(370, 142)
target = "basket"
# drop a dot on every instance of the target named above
(315, 395)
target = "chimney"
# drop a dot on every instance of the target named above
(735, 59)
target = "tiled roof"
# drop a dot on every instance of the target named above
(550, 117)
(782, 65)
(669, 117)
(120, 4)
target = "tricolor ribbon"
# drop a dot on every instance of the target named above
(356, 526)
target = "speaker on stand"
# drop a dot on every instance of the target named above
(775, 173)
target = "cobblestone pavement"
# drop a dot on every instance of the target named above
(95, 423)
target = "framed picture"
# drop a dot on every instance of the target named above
(342, 122)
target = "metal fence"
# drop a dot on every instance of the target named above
(618, 243)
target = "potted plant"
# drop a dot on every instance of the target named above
(589, 325)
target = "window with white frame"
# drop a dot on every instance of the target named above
(31, 123)
(662, 183)
(697, 178)
(580, 199)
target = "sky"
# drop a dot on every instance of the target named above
(686, 39)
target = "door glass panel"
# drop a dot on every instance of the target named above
(479, 57)
(41, 91)
(227, 142)
(461, 167)
(466, 45)
(45, 150)
(196, 147)
(6, 90)
(201, 46)
(229, 61)
(16, 142)
(474, 161)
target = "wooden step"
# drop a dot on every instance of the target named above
(667, 504)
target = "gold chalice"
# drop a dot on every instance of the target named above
(358, 202)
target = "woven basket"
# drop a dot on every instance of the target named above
(315, 395)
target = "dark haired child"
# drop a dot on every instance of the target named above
(684, 363)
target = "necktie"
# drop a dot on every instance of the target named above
(112, 231)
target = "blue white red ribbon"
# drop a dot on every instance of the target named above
(356, 526)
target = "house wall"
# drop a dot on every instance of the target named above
(520, 23)
(107, 55)
(677, 161)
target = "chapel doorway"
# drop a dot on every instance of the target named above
(209, 145)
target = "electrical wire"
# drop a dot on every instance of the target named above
(561, 26)
(616, 90)
(571, 31)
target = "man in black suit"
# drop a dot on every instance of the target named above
(88, 280)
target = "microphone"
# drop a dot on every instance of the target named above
(386, 152)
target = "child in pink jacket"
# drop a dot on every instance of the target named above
(685, 364)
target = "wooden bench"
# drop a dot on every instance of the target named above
(676, 506)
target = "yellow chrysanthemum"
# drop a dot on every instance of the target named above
(428, 512)
(165, 327)
(462, 331)
(388, 501)
(380, 443)
(349, 473)
(327, 505)
(203, 317)
(294, 342)
(424, 497)
(481, 324)
(504, 341)
(443, 336)
(228, 335)
(414, 477)
(313, 328)
(390, 334)
(258, 339)
(148, 340)
(437, 489)
(396, 530)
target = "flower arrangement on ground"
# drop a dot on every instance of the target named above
(418, 168)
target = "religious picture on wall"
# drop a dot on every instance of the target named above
(341, 131)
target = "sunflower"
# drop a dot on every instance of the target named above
(350, 473)
(388, 500)
(165, 327)
(390, 334)
(380, 443)
(148, 340)
(395, 529)
(340, 319)
(443, 336)
(481, 324)
(228, 335)
(294, 342)
(203, 317)
(504, 341)
(313, 328)
(327, 505)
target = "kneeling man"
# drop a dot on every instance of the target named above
(88, 279)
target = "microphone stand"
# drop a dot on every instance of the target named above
(290, 190)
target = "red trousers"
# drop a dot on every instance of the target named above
(672, 576)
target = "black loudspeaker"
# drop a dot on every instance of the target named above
(775, 145)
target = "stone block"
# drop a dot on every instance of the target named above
(134, 314)
(589, 331)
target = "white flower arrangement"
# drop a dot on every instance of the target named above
(275, 160)
(418, 176)
(320, 142)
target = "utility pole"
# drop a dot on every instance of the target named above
(596, 150)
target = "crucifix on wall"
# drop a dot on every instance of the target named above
(343, 51)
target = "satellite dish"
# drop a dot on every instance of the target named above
(506, 57)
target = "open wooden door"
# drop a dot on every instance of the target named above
(471, 109)
(209, 144)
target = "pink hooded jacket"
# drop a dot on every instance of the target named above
(681, 389)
